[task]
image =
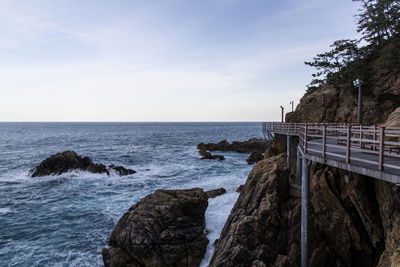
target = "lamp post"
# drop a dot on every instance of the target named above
(292, 103)
(358, 83)
(282, 112)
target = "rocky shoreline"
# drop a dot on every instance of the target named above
(355, 220)
(70, 161)
(255, 146)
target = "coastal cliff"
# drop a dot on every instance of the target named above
(354, 219)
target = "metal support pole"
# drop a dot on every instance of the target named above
(299, 164)
(381, 148)
(282, 113)
(360, 105)
(348, 144)
(305, 189)
(324, 141)
(288, 151)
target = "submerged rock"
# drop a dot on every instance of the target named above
(254, 157)
(251, 145)
(163, 229)
(207, 155)
(216, 192)
(68, 160)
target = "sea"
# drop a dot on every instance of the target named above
(66, 220)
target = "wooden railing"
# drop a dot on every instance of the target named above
(376, 146)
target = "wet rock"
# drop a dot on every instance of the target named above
(216, 192)
(240, 188)
(207, 155)
(121, 170)
(254, 157)
(68, 161)
(251, 145)
(163, 229)
(253, 234)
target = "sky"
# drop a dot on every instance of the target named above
(162, 60)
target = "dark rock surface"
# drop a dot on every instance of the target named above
(251, 145)
(68, 161)
(216, 192)
(163, 229)
(240, 188)
(207, 155)
(254, 234)
(254, 157)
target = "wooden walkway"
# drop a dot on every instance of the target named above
(368, 150)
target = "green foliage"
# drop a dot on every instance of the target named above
(335, 65)
(378, 20)
(379, 24)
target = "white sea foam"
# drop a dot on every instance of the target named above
(4, 211)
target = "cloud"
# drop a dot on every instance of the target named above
(95, 61)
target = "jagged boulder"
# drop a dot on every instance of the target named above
(254, 234)
(251, 145)
(68, 160)
(207, 155)
(163, 229)
(254, 157)
(216, 192)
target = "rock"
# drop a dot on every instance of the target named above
(253, 233)
(251, 145)
(163, 229)
(240, 188)
(121, 170)
(330, 104)
(254, 157)
(68, 160)
(216, 192)
(207, 155)
(393, 119)
(354, 223)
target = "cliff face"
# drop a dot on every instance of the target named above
(355, 220)
(330, 104)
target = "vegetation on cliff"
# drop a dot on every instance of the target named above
(379, 24)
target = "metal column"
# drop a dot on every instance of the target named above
(288, 151)
(305, 190)
(360, 105)
(299, 164)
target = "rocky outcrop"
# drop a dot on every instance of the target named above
(207, 155)
(163, 229)
(216, 192)
(251, 145)
(329, 104)
(68, 161)
(393, 119)
(256, 230)
(355, 220)
(254, 157)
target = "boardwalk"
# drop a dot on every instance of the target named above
(369, 150)
(359, 149)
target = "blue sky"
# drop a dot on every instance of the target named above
(167, 60)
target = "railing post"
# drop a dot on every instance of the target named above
(348, 143)
(361, 136)
(324, 141)
(375, 130)
(381, 148)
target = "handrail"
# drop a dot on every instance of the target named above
(349, 138)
